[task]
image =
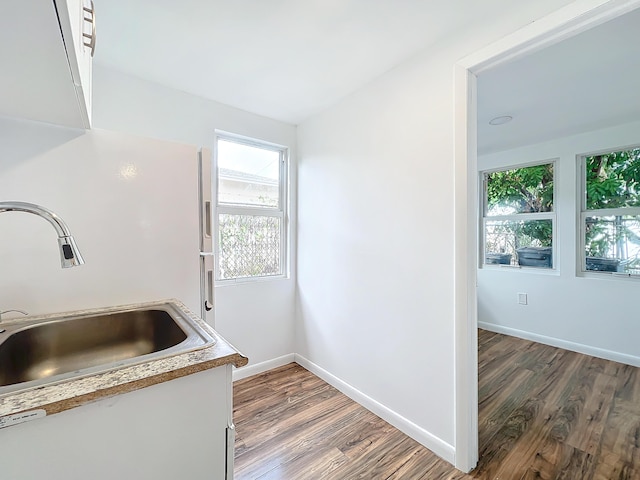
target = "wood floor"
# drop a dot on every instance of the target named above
(544, 413)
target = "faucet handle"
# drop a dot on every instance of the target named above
(12, 310)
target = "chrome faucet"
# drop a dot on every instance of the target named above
(69, 254)
(2, 330)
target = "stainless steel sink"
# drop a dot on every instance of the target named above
(43, 351)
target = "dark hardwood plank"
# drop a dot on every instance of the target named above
(570, 464)
(500, 456)
(628, 384)
(326, 461)
(621, 436)
(284, 440)
(544, 413)
(383, 461)
(500, 401)
(587, 433)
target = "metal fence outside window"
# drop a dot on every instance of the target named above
(250, 246)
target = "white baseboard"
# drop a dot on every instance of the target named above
(255, 369)
(433, 443)
(557, 342)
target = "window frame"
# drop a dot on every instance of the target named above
(281, 212)
(583, 213)
(518, 217)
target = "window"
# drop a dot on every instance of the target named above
(251, 222)
(518, 221)
(610, 216)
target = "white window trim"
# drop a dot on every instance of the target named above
(519, 217)
(583, 213)
(282, 212)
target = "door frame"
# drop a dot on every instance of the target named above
(570, 20)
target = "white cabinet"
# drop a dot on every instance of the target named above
(46, 68)
(77, 21)
(172, 430)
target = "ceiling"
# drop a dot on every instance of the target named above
(284, 59)
(588, 82)
(289, 59)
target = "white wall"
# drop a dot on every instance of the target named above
(375, 265)
(376, 236)
(136, 234)
(257, 317)
(594, 315)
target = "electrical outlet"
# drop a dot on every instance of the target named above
(522, 298)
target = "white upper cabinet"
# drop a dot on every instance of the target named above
(45, 59)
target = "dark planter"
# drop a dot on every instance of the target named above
(535, 256)
(600, 264)
(497, 258)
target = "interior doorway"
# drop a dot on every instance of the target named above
(563, 24)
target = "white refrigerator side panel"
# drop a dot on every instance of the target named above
(130, 202)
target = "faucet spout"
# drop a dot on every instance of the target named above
(69, 254)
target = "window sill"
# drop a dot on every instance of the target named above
(608, 276)
(517, 268)
(248, 280)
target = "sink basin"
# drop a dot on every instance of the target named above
(44, 351)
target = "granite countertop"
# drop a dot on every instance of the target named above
(67, 394)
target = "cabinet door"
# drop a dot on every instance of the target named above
(172, 430)
(36, 80)
(76, 23)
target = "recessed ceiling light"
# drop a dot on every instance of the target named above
(500, 120)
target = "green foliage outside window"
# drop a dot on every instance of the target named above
(523, 190)
(613, 182)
